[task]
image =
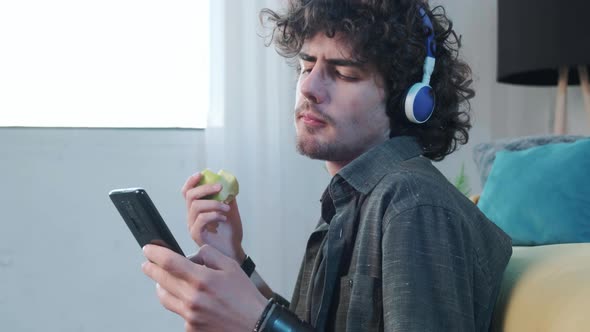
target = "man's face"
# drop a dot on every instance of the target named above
(340, 103)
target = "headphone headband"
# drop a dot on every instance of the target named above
(430, 44)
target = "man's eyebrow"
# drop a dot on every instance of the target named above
(335, 62)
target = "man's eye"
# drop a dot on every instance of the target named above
(306, 70)
(346, 77)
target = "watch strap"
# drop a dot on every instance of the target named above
(248, 266)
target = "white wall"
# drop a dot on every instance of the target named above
(499, 110)
(475, 22)
(67, 261)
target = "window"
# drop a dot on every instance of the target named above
(109, 63)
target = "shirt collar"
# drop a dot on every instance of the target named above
(364, 172)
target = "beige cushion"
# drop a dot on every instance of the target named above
(545, 288)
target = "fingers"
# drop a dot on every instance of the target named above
(169, 301)
(165, 263)
(165, 280)
(201, 192)
(190, 183)
(213, 258)
(207, 297)
(190, 308)
(188, 327)
(175, 274)
(198, 221)
(202, 213)
(208, 210)
(197, 229)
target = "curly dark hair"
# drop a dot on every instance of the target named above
(390, 35)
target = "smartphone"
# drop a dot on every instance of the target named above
(143, 219)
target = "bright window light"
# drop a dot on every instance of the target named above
(108, 63)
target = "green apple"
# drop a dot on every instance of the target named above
(229, 183)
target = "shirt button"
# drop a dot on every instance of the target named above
(350, 283)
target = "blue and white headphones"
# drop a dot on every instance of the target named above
(419, 100)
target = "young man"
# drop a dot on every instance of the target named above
(397, 247)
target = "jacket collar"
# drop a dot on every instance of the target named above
(364, 172)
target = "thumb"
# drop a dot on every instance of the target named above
(212, 258)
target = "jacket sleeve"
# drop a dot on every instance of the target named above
(428, 272)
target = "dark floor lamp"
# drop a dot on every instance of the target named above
(546, 43)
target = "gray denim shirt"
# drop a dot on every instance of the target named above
(398, 248)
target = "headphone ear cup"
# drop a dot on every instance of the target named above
(419, 103)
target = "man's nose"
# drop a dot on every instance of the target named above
(314, 86)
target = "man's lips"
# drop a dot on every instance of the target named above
(310, 119)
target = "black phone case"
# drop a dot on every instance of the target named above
(143, 219)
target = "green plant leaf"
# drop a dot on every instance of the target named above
(462, 181)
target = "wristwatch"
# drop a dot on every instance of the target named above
(248, 266)
(276, 318)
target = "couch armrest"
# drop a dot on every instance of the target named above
(545, 288)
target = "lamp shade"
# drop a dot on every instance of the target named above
(536, 37)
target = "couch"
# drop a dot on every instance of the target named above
(546, 285)
(545, 289)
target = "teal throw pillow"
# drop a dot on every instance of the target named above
(484, 154)
(541, 195)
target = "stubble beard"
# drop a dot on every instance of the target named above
(309, 146)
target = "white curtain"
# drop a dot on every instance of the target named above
(250, 133)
